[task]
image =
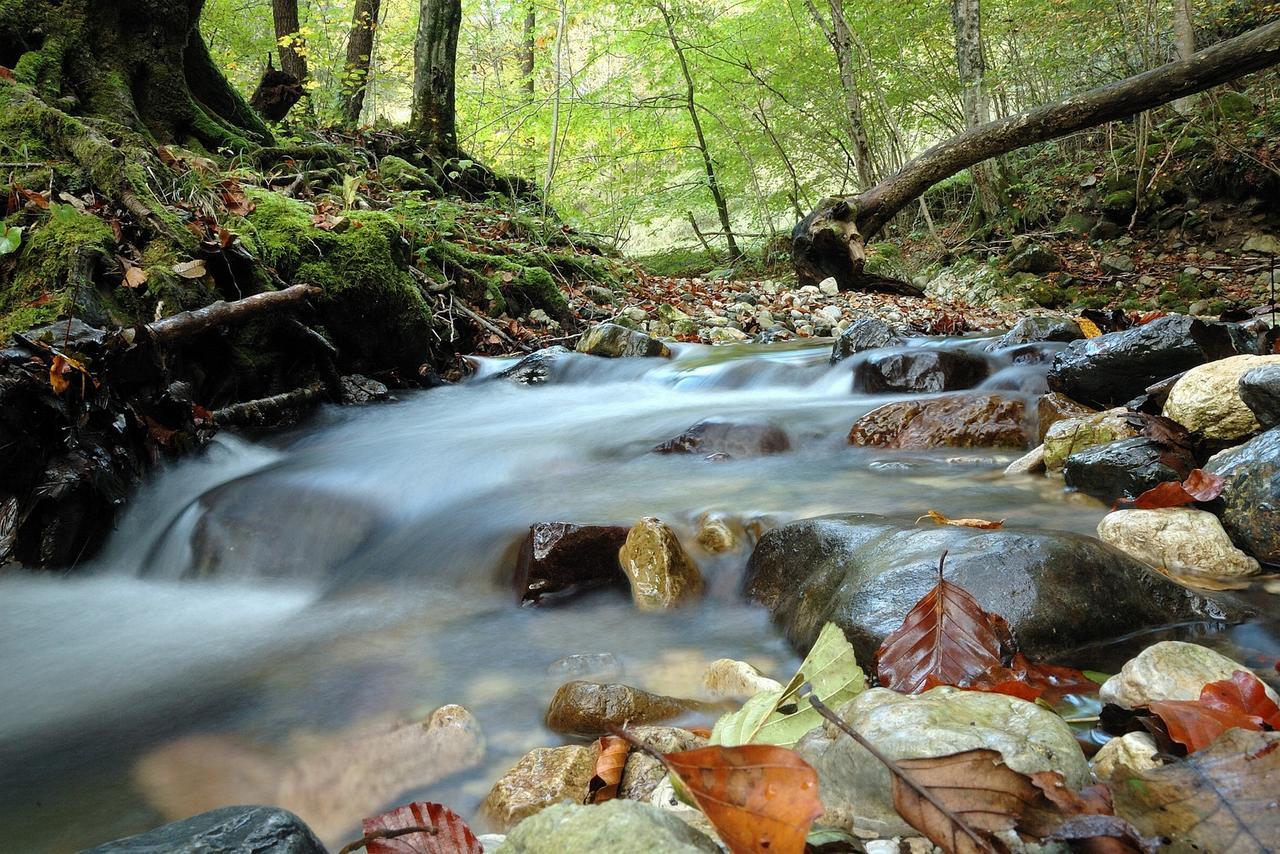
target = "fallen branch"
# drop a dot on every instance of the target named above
(269, 409)
(221, 313)
(486, 324)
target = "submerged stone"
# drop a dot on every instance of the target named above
(955, 421)
(559, 559)
(925, 371)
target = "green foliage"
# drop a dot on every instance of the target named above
(10, 239)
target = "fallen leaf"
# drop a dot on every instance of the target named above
(611, 760)
(1240, 701)
(962, 523)
(134, 276)
(1199, 486)
(190, 269)
(945, 638)
(62, 369)
(393, 832)
(1222, 798)
(1032, 681)
(1088, 327)
(40, 200)
(760, 798)
(6, 74)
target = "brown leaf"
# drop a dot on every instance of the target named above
(62, 369)
(760, 798)
(40, 200)
(134, 276)
(1199, 486)
(976, 786)
(1032, 681)
(6, 74)
(1240, 701)
(393, 832)
(946, 638)
(611, 760)
(190, 269)
(1222, 798)
(962, 523)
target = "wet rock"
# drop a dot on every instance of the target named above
(955, 421)
(1069, 435)
(662, 574)
(546, 776)
(614, 827)
(925, 371)
(358, 389)
(1208, 398)
(865, 572)
(1033, 258)
(728, 335)
(1260, 391)
(1169, 670)
(1031, 462)
(614, 341)
(230, 830)
(1054, 407)
(726, 677)
(1181, 539)
(856, 788)
(1251, 500)
(865, 333)
(559, 559)
(643, 774)
(536, 368)
(736, 438)
(588, 709)
(1125, 755)
(1035, 328)
(715, 534)
(1110, 369)
(1125, 469)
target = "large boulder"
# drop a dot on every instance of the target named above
(614, 827)
(661, 573)
(559, 559)
(925, 371)
(856, 788)
(1111, 369)
(545, 776)
(230, 830)
(536, 368)
(732, 438)
(865, 572)
(1260, 391)
(1208, 398)
(614, 341)
(1066, 436)
(954, 421)
(1169, 670)
(1033, 258)
(1251, 500)
(1035, 328)
(1126, 469)
(1184, 540)
(866, 333)
(1054, 407)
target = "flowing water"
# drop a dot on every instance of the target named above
(267, 599)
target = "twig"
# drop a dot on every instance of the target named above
(264, 410)
(385, 834)
(496, 330)
(825, 710)
(188, 323)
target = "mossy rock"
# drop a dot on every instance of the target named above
(401, 174)
(1077, 222)
(1119, 203)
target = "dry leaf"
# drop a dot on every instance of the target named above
(1088, 327)
(975, 786)
(962, 523)
(134, 276)
(611, 760)
(1199, 486)
(1240, 701)
(190, 269)
(393, 832)
(945, 638)
(62, 369)
(761, 798)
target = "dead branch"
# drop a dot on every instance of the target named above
(268, 410)
(189, 323)
(486, 324)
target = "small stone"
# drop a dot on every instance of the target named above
(643, 774)
(727, 677)
(829, 287)
(614, 827)
(1126, 755)
(1262, 244)
(736, 438)
(662, 574)
(715, 535)
(613, 341)
(559, 559)
(1184, 540)
(589, 709)
(1169, 670)
(1118, 264)
(727, 335)
(1030, 463)
(546, 776)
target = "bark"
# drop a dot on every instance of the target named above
(292, 58)
(190, 323)
(840, 36)
(553, 143)
(527, 54)
(435, 56)
(1184, 35)
(829, 242)
(966, 17)
(691, 104)
(355, 77)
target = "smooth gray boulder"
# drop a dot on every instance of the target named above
(866, 333)
(1251, 500)
(230, 830)
(864, 572)
(1260, 391)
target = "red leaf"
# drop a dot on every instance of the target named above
(945, 639)
(1243, 691)
(1240, 701)
(452, 836)
(1199, 486)
(5, 73)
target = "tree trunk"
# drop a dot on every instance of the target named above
(691, 104)
(841, 39)
(830, 240)
(139, 63)
(553, 144)
(966, 17)
(289, 40)
(435, 56)
(1184, 36)
(355, 77)
(527, 55)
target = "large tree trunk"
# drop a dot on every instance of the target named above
(708, 165)
(971, 65)
(355, 77)
(435, 55)
(289, 40)
(830, 241)
(140, 63)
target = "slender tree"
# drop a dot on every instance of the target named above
(289, 40)
(355, 75)
(1184, 37)
(691, 105)
(435, 56)
(966, 17)
(840, 36)
(528, 44)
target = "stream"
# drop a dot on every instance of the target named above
(268, 596)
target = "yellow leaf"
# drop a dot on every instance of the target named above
(1088, 327)
(962, 523)
(60, 372)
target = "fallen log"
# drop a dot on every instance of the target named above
(188, 323)
(830, 242)
(270, 410)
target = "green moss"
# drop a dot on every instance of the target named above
(52, 251)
